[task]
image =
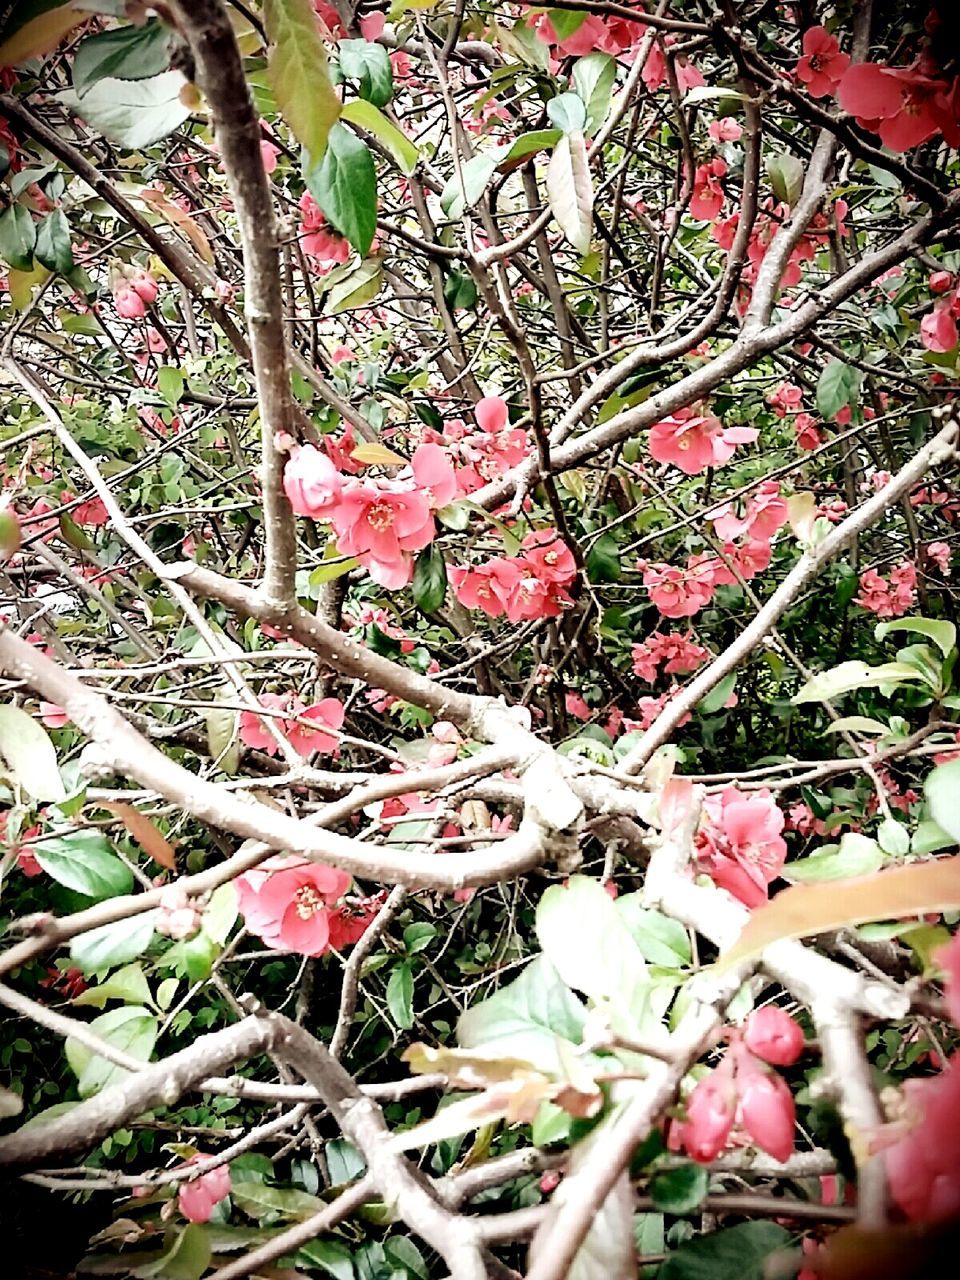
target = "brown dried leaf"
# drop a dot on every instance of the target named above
(145, 832)
(464, 1068)
(184, 223)
(807, 909)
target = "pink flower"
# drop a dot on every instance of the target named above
(941, 555)
(710, 1112)
(285, 901)
(197, 1199)
(773, 1035)
(940, 281)
(938, 328)
(686, 440)
(53, 716)
(822, 64)
(766, 1112)
(304, 739)
(725, 130)
(145, 285)
(888, 599)
(551, 558)
(380, 523)
(177, 917)
(576, 706)
(128, 302)
(434, 474)
(900, 104)
(707, 199)
(809, 435)
(922, 1153)
(745, 562)
(311, 482)
(491, 413)
(739, 844)
(679, 593)
(677, 652)
(319, 240)
(765, 512)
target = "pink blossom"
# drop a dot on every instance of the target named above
(921, 1151)
(707, 198)
(766, 1111)
(576, 706)
(686, 440)
(145, 285)
(381, 523)
(551, 558)
(940, 281)
(53, 716)
(320, 240)
(763, 514)
(745, 562)
(285, 902)
(725, 130)
(678, 593)
(311, 482)
(822, 64)
(491, 413)
(128, 302)
(177, 916)
(197, 1199)
(739, 844)
(773, 1035)
(938, 328)
(809, 435)
(900, 104)
(304, 739)
(434, 475)
(941, 555)
(888, 598)
(677, 652)
(710, 1112)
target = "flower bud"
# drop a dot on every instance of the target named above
(774, 1036)
(711, 1109)
(767, 1112)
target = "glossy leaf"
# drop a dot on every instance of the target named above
(429, 584)
(524, 1018)
(854, 675)
(896, 893)
(400, 996)
(53, 248)
(568, 112)
(837, 387)
(123, 53)
(594, 77)
(133, 113)
(127, 984)
(83, 861)
(18, 235)
(131, 1030)
(356, 289)
(679, 1190)
(942, 633)
(259, 1200)
(371, 119)
(344, 185)
(735, 1253)
(856, 855)
(464, 189)
(186, 1256)
(942, 789)
(114, 943)
(300, 73)
(368, 63)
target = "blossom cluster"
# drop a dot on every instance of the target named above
(938, 328)
(294, 905)
(888, 597)
(694, 440)
(621, 37)
(325, 718)
(526, 586)
(743, 1090)
(678, 654)
(739, 843)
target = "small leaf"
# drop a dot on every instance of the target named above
(344, 185)
(364, 114)
(221, 913)
(603, 561)
(570, 190)
(837, 387)
(853, 675)
(82, 860)
(373, 454)
(258, 1200)
(429, 584)
(895, 893)
(735, 1253)
(568, 112)
(131, 1029)
(786, 178)
(171, 384)
(400, 996)
(127, 984)
(368, 63)
(719, 695)
(53, 248)
(331, 1256)
(18, 235)
(357, 289)
(594, 77)
(30, 755)
(144, 831)
(300, 74)
(186, 1256)
(125, 53)
(679, 1190)
(464, 189)
(528, 144)
(893, 837)
(856, 855)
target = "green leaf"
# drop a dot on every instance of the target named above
(460, 291)
(344, 1162)
(30, 755)
(369, 65)
(258, 1200)
(853, 675)
(299, 73)
(942, 789)
(568, 112)
(929, 837)
(679, 1190)
(570, 190)
(718, 696)
(133, 113)
(464, 189)
(132, 1030)
(893, 837)
(585, 939)
(528, 144)
(331, 1256)
(112, 944)
(429, 585)
(603, 560)
(53, 248)
(942, 633)
(359, 287)
(186, 1256)
(127, 984)
(786, 178)
(83, 861)
(366, 116)
(662, 940)
(736, 1253)
(405, 1256)
(125, 53)
(565, 22)
(221, 913)
(18, 235)
(344, 185)
(837, 387)
(856, 855)
(30, 28)
(594, 77)
(524, 1018)
(400, 996)
(170, 384)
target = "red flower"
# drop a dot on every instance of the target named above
(285, 901)
(774, 1036)
(711, 1109)
(707, 199)
(304, 739)
(822, 64)
(938, 328)
(767, 1112)
(739, 844)
(679, 593)
(379, 523)
(900, 104)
